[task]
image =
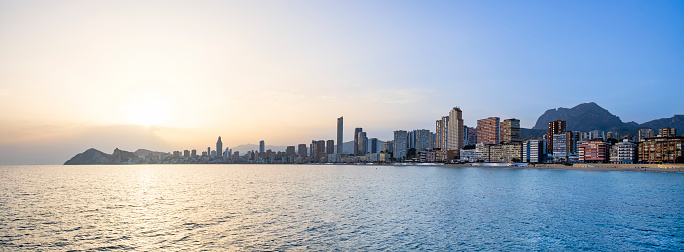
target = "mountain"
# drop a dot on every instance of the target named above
(93, 156)
(583, 117)
(676, 122)
(591, 116)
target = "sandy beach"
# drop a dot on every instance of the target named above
(592, 167)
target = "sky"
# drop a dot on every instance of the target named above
(174, 75)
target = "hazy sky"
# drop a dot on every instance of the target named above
(173, 75)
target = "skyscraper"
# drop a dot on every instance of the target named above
(510, 130)
(219, 147)
(262, 146)
(301, 150)
(339, 135)
(422, 140)
(373, 145)
(472, 135)
(455, 130)
(438, 134)
(362, 143)
(399, 144)
(488, 130)
(555, 127)
(330, 147)
(356, 140)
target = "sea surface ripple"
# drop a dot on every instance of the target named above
(335, 207)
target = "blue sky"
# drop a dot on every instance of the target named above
(283, 71)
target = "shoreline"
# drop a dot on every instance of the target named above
(604, 167)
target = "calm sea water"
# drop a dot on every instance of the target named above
(329, 207)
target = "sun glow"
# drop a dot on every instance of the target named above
(148, 109)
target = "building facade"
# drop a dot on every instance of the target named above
(356, 141)
(661, 150)
(340, 131)
(301, 150)
(559, 147)
(594, 151)
(400, 144)
(503, 153)
(330, 147)
(510, 130)
(667, 132)
(623, 152)
(555, 127)
(219, 147)
(488, 130)
(534, 151)
(455, 131)
(645, 133)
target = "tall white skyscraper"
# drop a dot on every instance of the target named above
(455, 128)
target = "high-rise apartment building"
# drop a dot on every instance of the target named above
(555, 127)
(262, 146)
(559, 147)
(455, 130)
(301, 150)
(356, 141)
(667, 132)
(318, 150)
(510, 130)
(422, 140)
(591, 135)
(441, 133)
(373, 145)
(645, 133)
(219, 147)
(488, 130)
(290, 151)
(340, 140)
(400, 144)
(472, 135)
(330, 147)
(571, 137)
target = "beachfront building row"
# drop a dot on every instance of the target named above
(664, 149)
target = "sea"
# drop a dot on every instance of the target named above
(337, 208)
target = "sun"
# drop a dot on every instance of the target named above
(147, 109)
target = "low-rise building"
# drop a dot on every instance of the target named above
(534, 151)
(503, 153)
(594, 151)
(661, 150)
(623, 152)
(468, 155)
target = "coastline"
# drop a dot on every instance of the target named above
(677, 168)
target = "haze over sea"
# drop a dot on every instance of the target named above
(333, 207)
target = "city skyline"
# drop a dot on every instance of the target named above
(174, 75)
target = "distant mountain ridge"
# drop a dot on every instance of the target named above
(93, 156)
(591, 116)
